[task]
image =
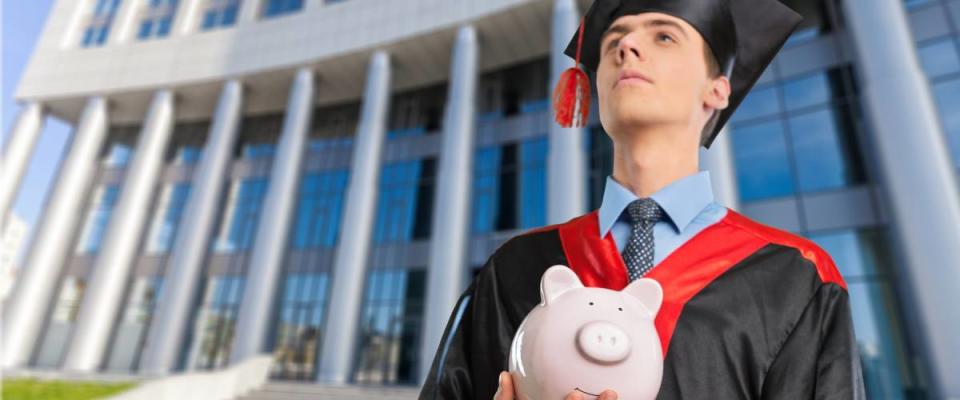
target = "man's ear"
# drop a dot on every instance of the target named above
(718, 96)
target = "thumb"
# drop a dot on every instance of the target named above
(505, 387)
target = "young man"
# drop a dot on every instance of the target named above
(749, 311)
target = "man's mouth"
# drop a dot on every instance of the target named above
(632, 77)
(585, 392)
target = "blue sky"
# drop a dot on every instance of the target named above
(22, 23)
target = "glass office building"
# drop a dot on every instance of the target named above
(289, 148)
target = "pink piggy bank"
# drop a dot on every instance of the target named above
(588, 340)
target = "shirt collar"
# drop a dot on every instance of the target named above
(682, 200)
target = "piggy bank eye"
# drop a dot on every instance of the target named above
(620, 308)
(591, 303)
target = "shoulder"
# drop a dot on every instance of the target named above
(542, 241)
(809, 253)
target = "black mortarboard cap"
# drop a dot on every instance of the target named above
(744, 36)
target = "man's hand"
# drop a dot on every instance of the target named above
(506, 391)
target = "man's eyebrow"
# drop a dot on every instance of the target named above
(666, 22)
(622, 28)
(615, 28)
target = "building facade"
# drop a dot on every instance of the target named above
(319, 179)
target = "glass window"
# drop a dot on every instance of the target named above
(68, 303)
(808, 145)
(299, 325)
(485, 188)
(489, 98)
(253, 151)
(510, 185)
(601, 164)
(335, 143)
(98, 26)
(864, 260)
(239, 219)
(390, 327)
(166, 219)
(805, 92)
(524, 87)
(57, 334)
(500, 207)
(822, 146)
(911, 4)
(319, 210)
(760, 102)
(417, 112)
(97, 220)
(947, 95)
(273, 8)
(118, 155)
(187, 155)
(132, 328)
(219, 14)
(157, 19)
(533, 182)
(760, 155)
(216, 321)
(517, 89)
(405, 201)
(258, 136)
(802, 35)
(939, 58)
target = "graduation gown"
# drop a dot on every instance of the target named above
(749, 312)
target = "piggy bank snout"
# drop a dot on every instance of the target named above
(603, 342)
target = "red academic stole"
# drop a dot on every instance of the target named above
(689, 268)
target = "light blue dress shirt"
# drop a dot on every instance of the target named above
(687, 202)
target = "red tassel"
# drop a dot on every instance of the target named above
(571, 96)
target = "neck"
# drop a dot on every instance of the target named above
(645, 161)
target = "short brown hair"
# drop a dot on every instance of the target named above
(713, 67)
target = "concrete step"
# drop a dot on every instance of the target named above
(310, 391)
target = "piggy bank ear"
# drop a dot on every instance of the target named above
(557, 280)
(648, 291)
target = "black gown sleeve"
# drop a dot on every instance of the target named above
(819, 358)
(475, 342)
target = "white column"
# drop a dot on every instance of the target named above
(274, 225)
(185, 21)
(447, 273)
(104, 295)
(919, 181)
(171, 318)
(25, 312)
(718, 159)
(16, 154)
(126, 21)
(350, 260)
(566, 158)
(249, 11)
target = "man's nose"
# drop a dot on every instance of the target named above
(627, 47)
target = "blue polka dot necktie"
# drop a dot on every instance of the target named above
(638, 253)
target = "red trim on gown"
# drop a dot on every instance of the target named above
(689, 268)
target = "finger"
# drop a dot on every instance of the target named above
(505, 389)
(574, 395)
(608, 395)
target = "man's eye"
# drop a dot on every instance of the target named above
(664, 35)
(612, 44)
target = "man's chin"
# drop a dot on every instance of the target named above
(634, 99)
(633, 118)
